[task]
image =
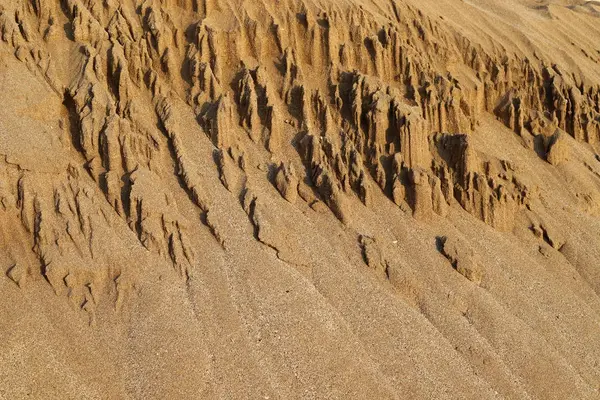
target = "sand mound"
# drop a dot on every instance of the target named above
(299, 199)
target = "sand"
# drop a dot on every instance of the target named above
(281, 199)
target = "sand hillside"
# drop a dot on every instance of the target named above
(299, 199)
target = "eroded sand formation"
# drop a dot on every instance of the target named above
(299, 199)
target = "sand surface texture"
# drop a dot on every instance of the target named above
(299, 199)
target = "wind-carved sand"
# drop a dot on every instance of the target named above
(287, 199)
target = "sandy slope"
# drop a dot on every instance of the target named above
(299, 199)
